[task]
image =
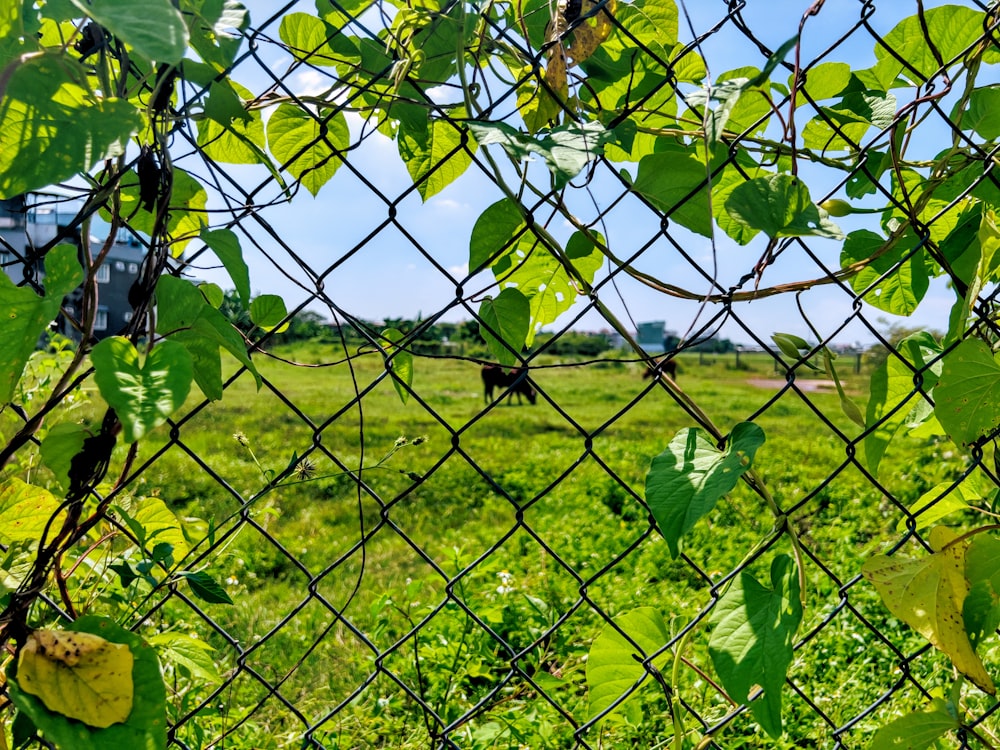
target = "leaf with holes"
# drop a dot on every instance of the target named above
(401, 363)
(754, 627)
(780, 206)
(94, 687)
(24, 315)
(143, 395)
(504, 323)
(927, 594)
(692, 475)
(895, 281)
(546, 282)
(308, 143)
(25, 511)
(614, 665)
(967, 400)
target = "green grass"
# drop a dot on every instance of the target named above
(480, 568)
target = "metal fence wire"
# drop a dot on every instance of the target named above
(443, 589)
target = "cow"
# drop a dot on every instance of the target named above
(516, 381)
(668, 366)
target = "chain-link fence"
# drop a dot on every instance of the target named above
(445, 588)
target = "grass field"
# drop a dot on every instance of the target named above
(476, 567)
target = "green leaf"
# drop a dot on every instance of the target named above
(268, 311)
(226, 246)
(495, 233)
(545, 281)
(401, 363)
(927, 594)
(899, 276)
(159, 524)
(842, 127)
(981, 609)
(916, 731)
(52, 128)
(189, 653)
(983, 112)
(25, 315)
(143, 396)
(753, 631)
(229, 133)
(940, 501)
(967, 400)
(823, 81)
(566, 149)
(780, 206)
(154, 28)
(307, 143)
(951, 28)
(146, 726)
(436, 154)
(212, 293)
(59, 446)
(612, 666)
(504, 324)
(892, 383)
(25, 511)
(675, 182)
(209, 23)
(186, 216)
(205, 587)
(692, 475)
(310, 39)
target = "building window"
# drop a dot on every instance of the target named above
(101, 321)
(103, 274)
(4, 257)
(133, 268)
(119, 265)
(127, 316)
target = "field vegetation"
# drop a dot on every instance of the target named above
(489, 549)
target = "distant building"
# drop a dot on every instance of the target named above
(650, 336)
(32, 220)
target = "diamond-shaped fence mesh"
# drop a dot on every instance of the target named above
(444, 589)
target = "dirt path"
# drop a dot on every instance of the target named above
(774, 384)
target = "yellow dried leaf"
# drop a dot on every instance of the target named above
(79, 675)
(927, 594)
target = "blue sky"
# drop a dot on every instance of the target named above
(388, 276)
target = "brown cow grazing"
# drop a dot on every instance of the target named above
(668, 366)
(516, 381)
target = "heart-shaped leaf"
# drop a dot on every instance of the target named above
(691, 475)
(25, 510)
(779, 205)
(143, 396)
(505, 324)
(967, 399)
(751, 644)
(927, 593)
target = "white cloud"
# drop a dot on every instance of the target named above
(310, 83)
(459, 271)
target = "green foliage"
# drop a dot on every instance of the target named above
(686, 481)
(143, 395)
(97, 93)
(146, 722)
(754, 627)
